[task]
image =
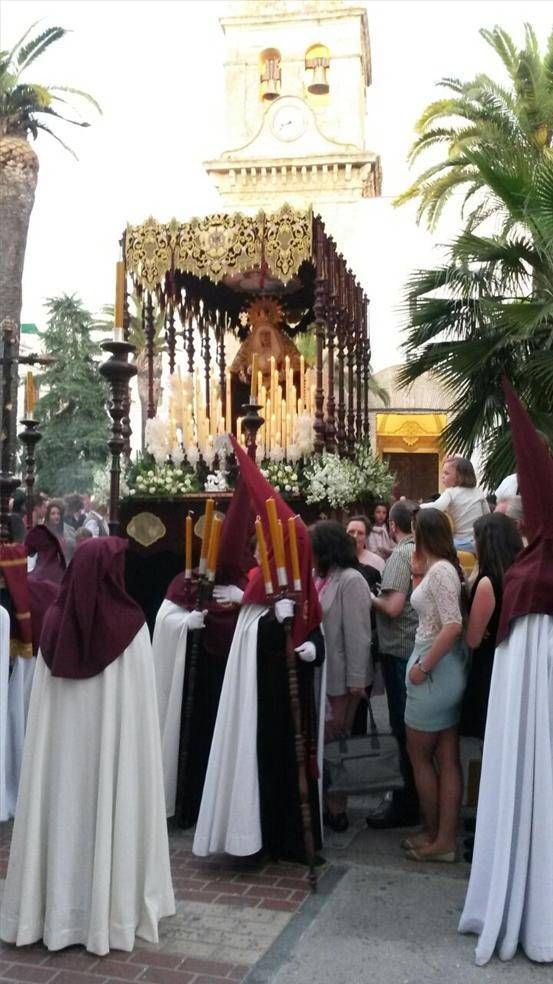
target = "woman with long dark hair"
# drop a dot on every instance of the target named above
(55, 521)
(379, 539)
(498, 543)
(346, 605)
(435, 680)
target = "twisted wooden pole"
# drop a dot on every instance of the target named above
(299, 748)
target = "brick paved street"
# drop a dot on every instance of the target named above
(229, 912)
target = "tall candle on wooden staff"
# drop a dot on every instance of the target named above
(277, 542)
(263, 557)
(213, 548)
(208, 520)
(253, 383)
(119, 301)
(294, 555)
(29, 395)
(188, 546)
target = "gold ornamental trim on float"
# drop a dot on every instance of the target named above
(220, 246)
(146, 529)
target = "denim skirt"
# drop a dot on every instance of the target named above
(436, 704)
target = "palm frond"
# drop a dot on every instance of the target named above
(29, 52)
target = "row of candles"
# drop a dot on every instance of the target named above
(211, 535)
(192, 422)
(188, 413)
(280, 406)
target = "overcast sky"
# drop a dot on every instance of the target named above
(155, 66)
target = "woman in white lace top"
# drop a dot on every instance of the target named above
(435, 679)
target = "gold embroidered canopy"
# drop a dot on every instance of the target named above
(220, 247)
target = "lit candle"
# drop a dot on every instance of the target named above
(281, 557)
(29, 395)
(294, 556)
(277, 541)
(268, 430)
(302, 377)
(208, 519)
(188, 546)
(263, 558)
(260, 386)
(253, 383)
(213, 548)
(119, 301)
(228, 401)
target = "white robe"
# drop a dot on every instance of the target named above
(230, 820)
(19, 696)
(510, 894)
(89, 859)
(169, 645)
(4, 676)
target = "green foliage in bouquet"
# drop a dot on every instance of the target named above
(146, 479)
(286, 478)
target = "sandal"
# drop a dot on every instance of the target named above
(448, 857)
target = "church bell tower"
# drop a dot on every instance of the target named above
(296, 77)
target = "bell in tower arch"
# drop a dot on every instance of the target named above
(269, 74)
(319, 83)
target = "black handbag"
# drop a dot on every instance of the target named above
(363, 764)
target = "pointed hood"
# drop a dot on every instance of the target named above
(308, 611)
(528, 586)
(50, 563)
(235, 555)
(93, 619)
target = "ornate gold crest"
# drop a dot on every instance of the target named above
(146, 529)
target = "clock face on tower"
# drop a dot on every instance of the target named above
(289, 122)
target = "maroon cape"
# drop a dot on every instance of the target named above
(528, 585)
(13, 568)
(93, 619)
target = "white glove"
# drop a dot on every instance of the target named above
(196, 620)
(227, 594)
(284, 609)
(307, 651)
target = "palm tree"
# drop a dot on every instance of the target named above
(488, 311)
(507, 123)
(25, 109)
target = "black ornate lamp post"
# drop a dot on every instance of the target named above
(8, 482)
(251, 422)
(118, 371)
(29, 439)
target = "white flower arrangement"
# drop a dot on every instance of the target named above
(162, 481)
(192, 455)
(331, 479)
(216, 482)
(304, 436)
(157, 439)
(284, 477)
(343, 481)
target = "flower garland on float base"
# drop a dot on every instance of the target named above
(324, 479)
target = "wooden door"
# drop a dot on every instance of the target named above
(417, 475)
